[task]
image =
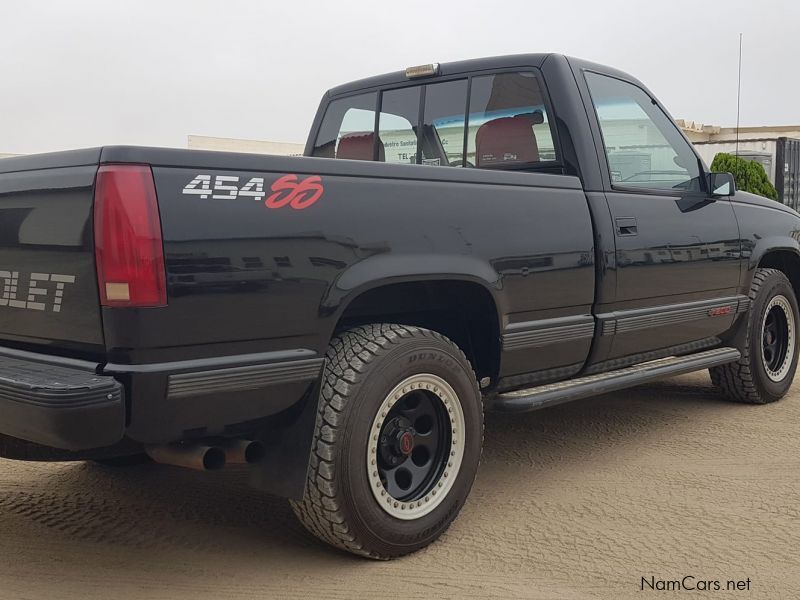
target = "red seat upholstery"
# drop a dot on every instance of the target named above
(358, 146)
(506, 141)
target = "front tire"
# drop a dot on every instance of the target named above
(397, 441)
(766, 369)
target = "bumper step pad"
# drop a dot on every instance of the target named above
(58, 406)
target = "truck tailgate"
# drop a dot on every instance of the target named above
(48, 288)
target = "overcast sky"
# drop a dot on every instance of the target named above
(84, 73)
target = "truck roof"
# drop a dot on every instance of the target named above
(450, 68)
(509, 61)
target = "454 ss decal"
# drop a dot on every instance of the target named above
(288, 190)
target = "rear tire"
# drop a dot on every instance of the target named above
(766, 369)
(397, 441)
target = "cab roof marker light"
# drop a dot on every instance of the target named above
(422, 71)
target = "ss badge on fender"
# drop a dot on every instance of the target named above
(288, 190)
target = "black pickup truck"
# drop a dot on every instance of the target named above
(498, 234)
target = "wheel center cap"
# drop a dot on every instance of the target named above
(406, 443)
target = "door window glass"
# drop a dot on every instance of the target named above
(643, 146)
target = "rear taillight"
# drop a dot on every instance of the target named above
(127, 237)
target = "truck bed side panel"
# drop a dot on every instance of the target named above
(244, 277)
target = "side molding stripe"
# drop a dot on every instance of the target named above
(237, 379)
(626, 321)
(535, 334)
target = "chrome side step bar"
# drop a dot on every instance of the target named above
(592, 385)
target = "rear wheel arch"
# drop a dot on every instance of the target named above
(464, 309)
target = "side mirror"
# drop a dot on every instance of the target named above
(721, 184)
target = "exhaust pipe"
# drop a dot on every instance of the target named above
(191, 456)
(243, 452)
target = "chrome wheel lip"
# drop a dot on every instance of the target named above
(439, 488)
(783, 304)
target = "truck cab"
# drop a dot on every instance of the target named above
(648, 245)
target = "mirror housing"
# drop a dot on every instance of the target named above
(721, 185)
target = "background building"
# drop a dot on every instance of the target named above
(203, 142)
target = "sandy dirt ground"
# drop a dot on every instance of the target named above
(579, 501)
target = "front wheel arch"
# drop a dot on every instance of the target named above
(785, 260)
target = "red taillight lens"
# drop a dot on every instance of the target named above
(127, 237)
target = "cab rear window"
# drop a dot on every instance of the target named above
(397, 126)
(508, 124)
(496, 121)
(347, 129)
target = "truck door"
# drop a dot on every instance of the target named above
(677, 249)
